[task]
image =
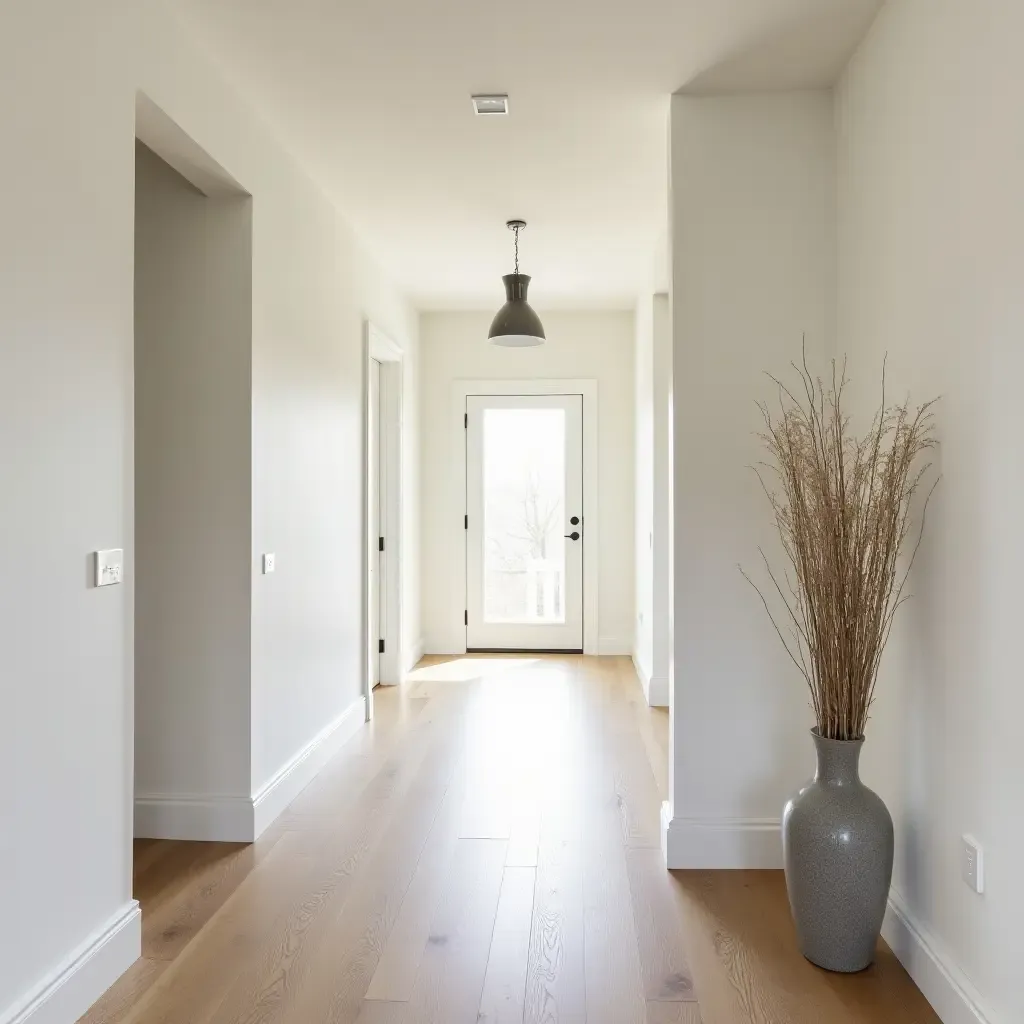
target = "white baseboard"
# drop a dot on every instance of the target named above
(655, 687)
(658, 695)
(414, 656)
(943, 984)
(709, 843)
(274, 796)
(606, 646)
(242, 819)
(666, 827)
(448, 648)
(643, 675)
(201, 817)
(612, 645)
(67, 992)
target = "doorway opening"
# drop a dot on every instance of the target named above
(191, 520)
(525, 524)
(528, 491)
(383, 516)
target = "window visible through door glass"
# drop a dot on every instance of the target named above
(524, 515)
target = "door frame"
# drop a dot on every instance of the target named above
(378, 346)
(461, 390)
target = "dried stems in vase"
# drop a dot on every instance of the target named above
(842, 505)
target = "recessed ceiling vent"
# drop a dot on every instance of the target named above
(491, 104)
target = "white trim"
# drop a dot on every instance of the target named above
(201, 817)
(274, 796)
(666, 828)
(414, 656)
(661, 537)
(610, 646)
(658, 693)
(242, 819)
(391, 358)
(943, 984)
(655, 687)
(712, 843)
(461, 390)
(641, 674)
(67, 992)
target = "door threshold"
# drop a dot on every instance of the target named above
(524, 650)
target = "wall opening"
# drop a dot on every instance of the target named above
(192, 493)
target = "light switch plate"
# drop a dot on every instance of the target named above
(268, 564)
(972, 866)
(109, 567)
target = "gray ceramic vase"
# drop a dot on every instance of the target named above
(838, 844)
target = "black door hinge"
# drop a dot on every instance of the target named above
(465, 420)
(465, 618)
(467, 522)
(380, 646)
(380, 543)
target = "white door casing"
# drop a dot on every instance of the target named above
(382, 618)
(377, 501)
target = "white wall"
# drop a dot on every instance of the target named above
(66, 204)
(412, 628)
(193, 345)
(307, 458)
(661, 574)
(596, 345)
(643, 507)
(931, 258)
(652, 512)
(753, 263)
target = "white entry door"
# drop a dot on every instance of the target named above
(524, 522)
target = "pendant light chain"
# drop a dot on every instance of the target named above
(515, 231)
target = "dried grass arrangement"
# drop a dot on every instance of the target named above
(842, 505)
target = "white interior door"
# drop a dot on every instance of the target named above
(374, 514)
(524, 522)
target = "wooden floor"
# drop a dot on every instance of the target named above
(486, 851)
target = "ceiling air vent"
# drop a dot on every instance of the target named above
(492, 104)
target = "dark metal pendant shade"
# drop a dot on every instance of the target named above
(516, 325)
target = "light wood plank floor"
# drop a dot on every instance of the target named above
(486, 851)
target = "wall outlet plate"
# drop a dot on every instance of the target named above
(108, 567)
(269, 562)
(972, 863)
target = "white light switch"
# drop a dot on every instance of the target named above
(109, 567)
(268, 564)
(972, 865)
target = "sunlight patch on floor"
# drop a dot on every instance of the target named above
(464, 669)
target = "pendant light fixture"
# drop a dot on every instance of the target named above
(516, 324)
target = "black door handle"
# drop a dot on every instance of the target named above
(572, 536)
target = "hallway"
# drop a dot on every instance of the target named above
(486, 851)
